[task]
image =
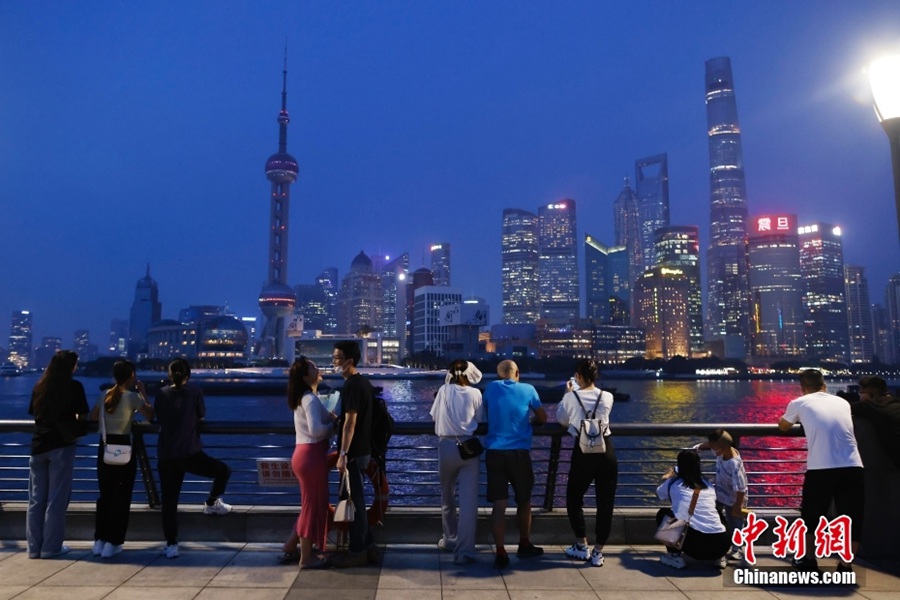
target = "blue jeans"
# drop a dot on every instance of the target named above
(49, 490)
(360, 534)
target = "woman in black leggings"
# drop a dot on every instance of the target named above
(179, 410)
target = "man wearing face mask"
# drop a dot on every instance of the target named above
(355, 448)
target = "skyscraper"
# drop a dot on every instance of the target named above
(892, 306)
(626, 218)
(859, 314)
(776, 288)
(825, 310)
(558, 281)
(360, 301)
(393, 289)
(661, 301)
(118, 337)
(652, 205)
(440, 263)
(329, 282)
(277, 299)
(608, 288)
(145, 311)
(678, 247)
(429, 333)
(20, 339)
(728, 288)
(519, 254)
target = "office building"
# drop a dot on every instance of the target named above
(20, 339)
(728, 287)
(652, 191)
(892, 308)
(678, 247)
(329, 282)
(608, 288)
(440, 263)
(661, 308)
(825, 310)
(118, 337)
(83, 346)
(558, 281)
(464, 321)
(884, 350)
(43, 353)
(859, 314)
(627, 219)
(614, 344)
(776, 288)
(145, 311)
(394, 275)
(519, 252)
(277, 299)
(429, 333)
(312, 305)
(360, 301)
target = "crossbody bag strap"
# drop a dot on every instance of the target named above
(103, 421)
(693, 503)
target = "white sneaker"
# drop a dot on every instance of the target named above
(577, 551)
(97, 550)
(672, 559)
(721, 562)
(596, 558)
(736, 554)
(443, 545)
(218, 508)
(110, 550)
(171, 551)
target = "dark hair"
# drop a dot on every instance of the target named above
(720, 435)
(689, 469)
(587, 368)
(811, 379)
(122, 372)
(456, 369)
(297, 387)
(349, 349)
(179, 371)
(58, 372)
(876, 385)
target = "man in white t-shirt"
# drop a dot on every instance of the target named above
(834, 469)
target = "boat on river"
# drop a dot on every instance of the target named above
(8, 369)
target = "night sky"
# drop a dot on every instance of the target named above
(135, 133)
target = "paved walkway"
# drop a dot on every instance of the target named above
(223, 571)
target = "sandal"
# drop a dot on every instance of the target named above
(289, 558)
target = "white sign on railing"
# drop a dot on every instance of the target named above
(275, 472)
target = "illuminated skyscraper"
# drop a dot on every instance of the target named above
(661, 300)
(678, 247)
(728, 288)
(558, 281)
(625, 214)
(822, 269)
(652, 206)
(277, 299)
(329, 282)
(859, 314)
(519, 252)
(393, 288)
(20, 339)
(440, 263)
(608, 288)
(776, 288)
(145, 311)
(360, 301)
(892, 306)
(429, 333)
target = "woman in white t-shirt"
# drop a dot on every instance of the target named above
(599, 468)
(456, 411)
(116, 482)
(707, 538)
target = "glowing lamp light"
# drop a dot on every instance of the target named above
(884, 77)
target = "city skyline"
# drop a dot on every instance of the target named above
(411, 125)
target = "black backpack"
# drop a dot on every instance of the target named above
(382, 428)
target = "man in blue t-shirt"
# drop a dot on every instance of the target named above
(508, 405)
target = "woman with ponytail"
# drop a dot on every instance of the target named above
(179, 410)
(59, 407)
(116, 482)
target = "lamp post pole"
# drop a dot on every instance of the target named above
(884, 77)
(892, 128)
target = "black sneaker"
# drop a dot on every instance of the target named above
(529, 551)
(805, 564)
(501, 561)
(842, 568)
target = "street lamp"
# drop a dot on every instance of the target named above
(884, 77)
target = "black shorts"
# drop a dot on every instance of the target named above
(509, 467)
(846, 486)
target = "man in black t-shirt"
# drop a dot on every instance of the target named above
(355, 448)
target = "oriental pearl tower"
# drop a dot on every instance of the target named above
(277, 299)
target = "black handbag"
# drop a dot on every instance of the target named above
(470, 448)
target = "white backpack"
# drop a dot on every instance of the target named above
(591, 431)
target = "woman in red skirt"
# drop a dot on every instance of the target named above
(313, 425)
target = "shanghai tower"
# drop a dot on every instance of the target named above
(277, 299)
(728, 290)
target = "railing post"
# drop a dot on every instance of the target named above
(552, 471)
(140, 450)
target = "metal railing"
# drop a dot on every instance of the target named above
(774, 460)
